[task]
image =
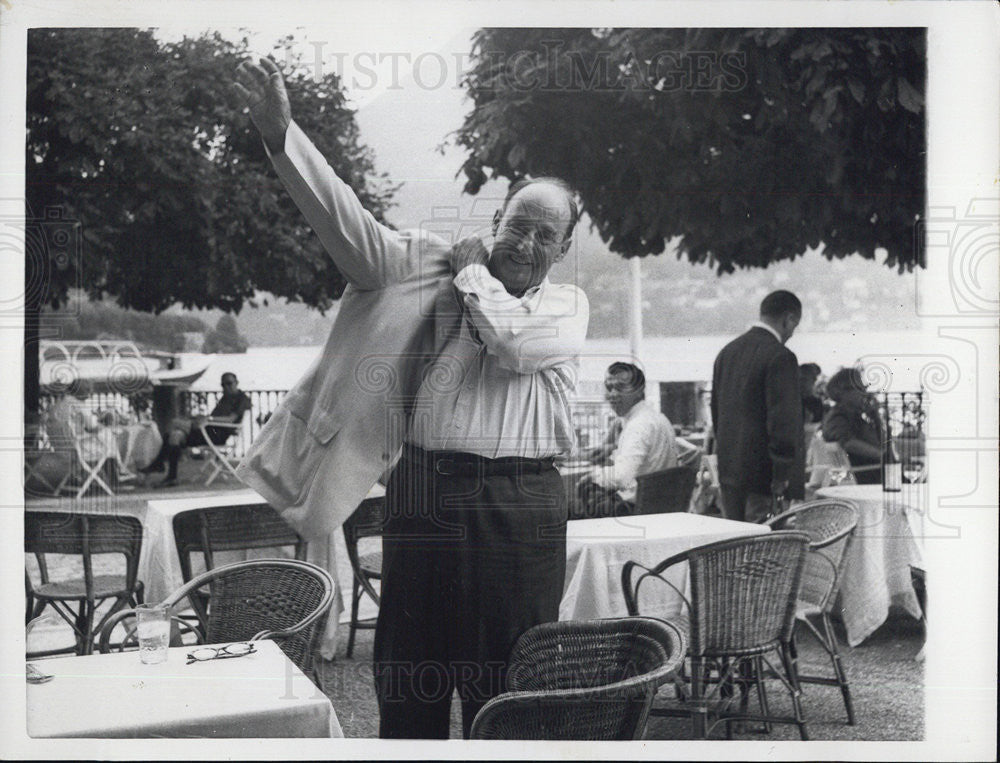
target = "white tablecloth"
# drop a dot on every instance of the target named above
(115, 695)
(879, 557)
(596, 550)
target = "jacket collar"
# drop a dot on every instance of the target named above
(768, 329)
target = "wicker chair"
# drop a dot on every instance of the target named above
(367, 521)
(51, 532)
(592, 679)
(665, 491)
(286, 600)
(228, 528)
(829, 525)
(742, 608)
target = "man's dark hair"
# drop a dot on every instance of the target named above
(574, 210)
(637, 379)
(228, 375)
(812, 369)
(779, 303)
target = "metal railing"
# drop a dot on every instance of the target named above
(905, 414)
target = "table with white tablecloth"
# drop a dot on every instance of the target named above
(597, 549)
(116, 696)
(879, 558)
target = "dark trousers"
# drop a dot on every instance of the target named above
(470, 562)
(172, 453)
(744, 506)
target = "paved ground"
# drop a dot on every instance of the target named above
(886, 682)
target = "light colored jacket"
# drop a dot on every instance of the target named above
(343, 424)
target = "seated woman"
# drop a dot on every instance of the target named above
(854, 423)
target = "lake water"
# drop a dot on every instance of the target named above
(673, 358)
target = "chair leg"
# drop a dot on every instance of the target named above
(791, 669)
(838, 667)
(726, 693)
(765, 710)
(699, 714)
(355, 598)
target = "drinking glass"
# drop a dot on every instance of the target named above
(153, 629)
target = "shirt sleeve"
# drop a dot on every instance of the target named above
(837, 427)
(526, 334)
(368, 254)
(633, 445)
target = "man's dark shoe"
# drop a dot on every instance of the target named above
(168, 482)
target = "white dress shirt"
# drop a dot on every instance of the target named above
(645, 445)
(501, 385)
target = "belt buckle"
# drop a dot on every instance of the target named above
(444, 470)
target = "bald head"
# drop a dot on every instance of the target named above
(533, 231)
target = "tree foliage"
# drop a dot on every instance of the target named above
(225, 337)
(144, 144)
(747, 146)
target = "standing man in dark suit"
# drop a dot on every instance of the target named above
(757, 413)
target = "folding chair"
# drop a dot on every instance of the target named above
(37, 453)
(222, 457)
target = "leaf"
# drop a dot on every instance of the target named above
(857, 89)
(909, 97)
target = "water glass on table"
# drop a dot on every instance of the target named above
(153, 630)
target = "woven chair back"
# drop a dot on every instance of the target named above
(829, 524)
(53, 532)
(367, 521)
(668, 490)
(233, 528)
(743, 593)
(266, 594)
(583, 680)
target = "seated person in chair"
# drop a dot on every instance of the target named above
(68, 419)
(183, 432)
(641, 441)
(854, 423)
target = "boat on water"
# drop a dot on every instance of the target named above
(117, 366)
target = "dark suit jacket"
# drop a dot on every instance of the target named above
(757, 414)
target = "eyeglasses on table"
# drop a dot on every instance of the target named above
(206, 653)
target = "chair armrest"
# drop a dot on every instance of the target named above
(235, 426)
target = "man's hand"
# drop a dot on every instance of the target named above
(263, 89)
(468, 251)
(600, 455)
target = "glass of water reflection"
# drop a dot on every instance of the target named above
(153, 630)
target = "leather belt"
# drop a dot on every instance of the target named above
(457, 462)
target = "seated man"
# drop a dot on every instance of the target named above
(641, 441)
(183, 432)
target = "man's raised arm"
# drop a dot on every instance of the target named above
(367, 253)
